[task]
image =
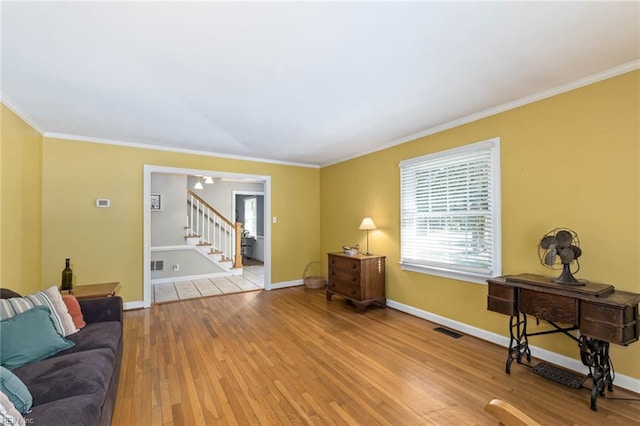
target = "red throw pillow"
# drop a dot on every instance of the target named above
(74, 310)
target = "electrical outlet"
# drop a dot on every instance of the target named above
(176, 267)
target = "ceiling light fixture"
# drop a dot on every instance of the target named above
(208, 180)
(198, 184)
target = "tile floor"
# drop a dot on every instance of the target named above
(251, 279)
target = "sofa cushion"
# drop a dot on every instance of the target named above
(79, 410)
(29, 337)
(51, 298)
(12, 386)
(80, 373)
(73, 306)
(97, 335)
(5, 293)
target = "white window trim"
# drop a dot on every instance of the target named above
(479, 278)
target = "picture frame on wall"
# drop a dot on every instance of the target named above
(156, 202)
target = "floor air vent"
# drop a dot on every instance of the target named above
(559, 375)
(449, 333)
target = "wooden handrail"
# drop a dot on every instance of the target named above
(227, 221)
(204, 209)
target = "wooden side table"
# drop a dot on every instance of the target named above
(359, 278)
(92, 291)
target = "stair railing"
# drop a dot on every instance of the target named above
(213, 229)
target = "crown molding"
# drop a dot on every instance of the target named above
(104, 141)
(585, 81)
(9, 103)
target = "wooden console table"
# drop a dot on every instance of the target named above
(92, 291)
(602, 315)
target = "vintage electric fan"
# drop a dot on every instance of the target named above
(560, 249)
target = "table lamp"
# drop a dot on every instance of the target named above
(367, 225)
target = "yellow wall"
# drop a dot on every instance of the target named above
(107, 244)
(567, 161)
(570, 160)
(20, 204)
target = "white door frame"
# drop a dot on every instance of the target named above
(148, 169)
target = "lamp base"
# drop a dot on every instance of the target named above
(368, 254)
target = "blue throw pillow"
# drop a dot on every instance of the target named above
(29, 337)
(17, 391)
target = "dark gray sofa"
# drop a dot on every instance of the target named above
(78, 386)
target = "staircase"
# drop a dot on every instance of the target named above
(213, 234)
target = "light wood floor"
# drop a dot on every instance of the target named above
(290, 357)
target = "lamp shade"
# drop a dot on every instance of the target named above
(198, 185)
(367, 224)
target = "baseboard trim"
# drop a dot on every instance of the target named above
(127, 306)
(285, 284)
(625, 382)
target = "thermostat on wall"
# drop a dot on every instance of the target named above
(103, 202)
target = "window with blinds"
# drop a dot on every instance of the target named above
(450, 212)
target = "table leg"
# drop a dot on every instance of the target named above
(518, 340)
(595, 355)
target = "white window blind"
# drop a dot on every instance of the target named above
(450, 212)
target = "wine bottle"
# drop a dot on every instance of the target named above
(67, 277)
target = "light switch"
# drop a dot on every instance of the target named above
(275, 219)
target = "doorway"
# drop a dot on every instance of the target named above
(249, 210)
(151, 170)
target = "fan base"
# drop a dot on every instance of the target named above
(567, 278)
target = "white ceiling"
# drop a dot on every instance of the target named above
(298, 82)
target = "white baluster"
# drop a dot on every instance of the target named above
(216, 232)
(229, 234)
(198, 218)
(201, 217)
(193, 217)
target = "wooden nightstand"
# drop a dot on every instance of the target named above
(92, 291)
(358, 278)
